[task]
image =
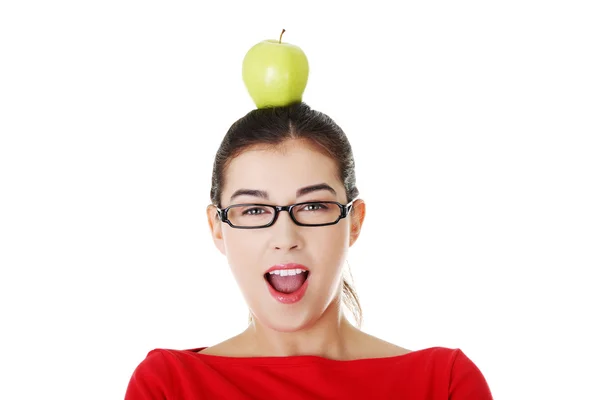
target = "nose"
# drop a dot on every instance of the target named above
(285, 233)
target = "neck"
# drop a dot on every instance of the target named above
(332, 336)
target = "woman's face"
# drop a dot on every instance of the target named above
(252, 252)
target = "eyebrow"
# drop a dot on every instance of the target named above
(300, 192)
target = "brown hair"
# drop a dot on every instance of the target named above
(272, 127)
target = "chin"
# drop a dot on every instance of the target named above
(287, 318)
(286, 322)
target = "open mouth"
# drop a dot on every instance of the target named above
(287, 281)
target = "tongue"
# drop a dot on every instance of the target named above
(287, 284)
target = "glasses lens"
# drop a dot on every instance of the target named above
(250, 215)
(317, 213)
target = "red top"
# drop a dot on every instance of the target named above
(435, 373)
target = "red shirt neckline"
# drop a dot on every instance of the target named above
(299, 359)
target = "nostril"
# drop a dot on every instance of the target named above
(291, 247)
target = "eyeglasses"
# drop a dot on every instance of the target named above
(311, 213)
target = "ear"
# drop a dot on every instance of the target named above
(216, 228)
(357, 217)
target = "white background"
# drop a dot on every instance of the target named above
(475, 130)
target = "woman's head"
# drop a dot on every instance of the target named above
(282, 156)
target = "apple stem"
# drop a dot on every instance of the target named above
(281, 36)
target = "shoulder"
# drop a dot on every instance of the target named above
(366, 345)
(379, 348)
(154, 363)
(224, 349)
(448, 372)
(150, 378)
(466, 381)
(154, 375)
(234, 346)
(453, 361)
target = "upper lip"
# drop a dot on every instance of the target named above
(287, 266)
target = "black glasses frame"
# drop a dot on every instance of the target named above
(344, 211)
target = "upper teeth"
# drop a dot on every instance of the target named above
(287, 272)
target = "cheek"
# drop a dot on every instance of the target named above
(241, 249)
(329, 244)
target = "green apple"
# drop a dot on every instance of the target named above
(275, 73)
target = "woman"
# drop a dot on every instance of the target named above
(285, 210)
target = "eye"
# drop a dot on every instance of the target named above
(315, 207)
(255, 211)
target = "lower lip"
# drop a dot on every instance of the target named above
(289, 298)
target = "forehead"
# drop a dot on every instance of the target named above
(281, 171)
